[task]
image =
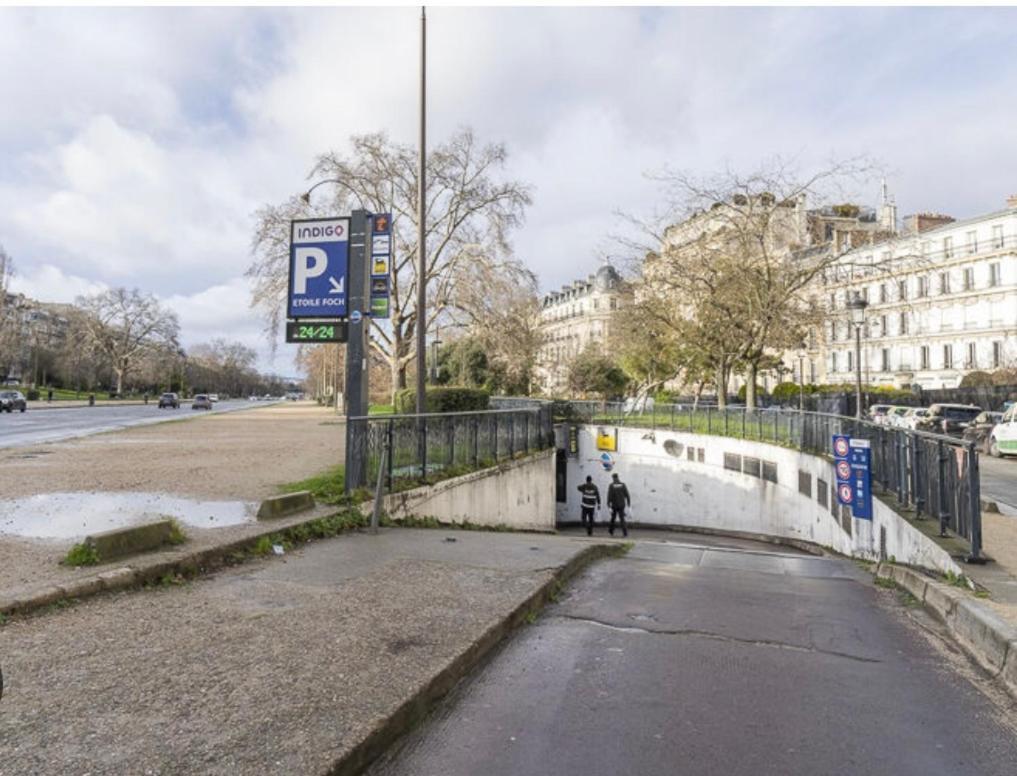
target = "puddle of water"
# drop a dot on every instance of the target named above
(75, 515)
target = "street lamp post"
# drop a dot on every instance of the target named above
(434, 360)
(801, 377)
(857, 307)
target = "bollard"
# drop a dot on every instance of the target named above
(917, 494)
(91, 400)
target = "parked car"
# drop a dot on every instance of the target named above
(877, 412)
(213, 397)
(913, 417)
(12, 400)
(170, 400)
(980, 429)
(949, 418)
(1003, 437)
(895, 416)
(202, 402)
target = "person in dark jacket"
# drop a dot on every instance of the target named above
(617, 500)
(591, 499)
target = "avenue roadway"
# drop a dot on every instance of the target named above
(998, 477)
(51, 425)
(685, 659)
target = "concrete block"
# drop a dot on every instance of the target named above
(122, 542)
(117, 578)
(910, 580)
(941, 600)
(286, 504)
(1009, 674)
(982, 632)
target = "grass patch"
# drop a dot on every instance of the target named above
(81, 554)
(381, 409)
(957, 580)
(327, 487)
(176, 535)
(889, 584)
(3, 619)
(427, 521)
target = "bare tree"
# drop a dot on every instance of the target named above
(121, 325)
(470, 213)
(743, 263)
(9, 328)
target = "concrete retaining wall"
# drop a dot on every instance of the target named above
(518, 494)
(670, 489)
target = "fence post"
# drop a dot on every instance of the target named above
(743, 423)
(975, 505)
(726, 413)
(451, 440)
(526, 431)
(917, 493)
(391, 452)
(496, 424)
(941, 487)
(512, 435)
(422, 445)
(476, 441)
(672, 418)
(709, 422)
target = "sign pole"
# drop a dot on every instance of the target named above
(421, 225)
(356, 351)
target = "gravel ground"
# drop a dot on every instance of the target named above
(234, 456)
(277, 667)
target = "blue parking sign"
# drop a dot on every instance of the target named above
(319, 267)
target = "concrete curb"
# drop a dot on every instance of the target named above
(980, 632)
(132, 540)
(136, 575)
(285, 505)
(783, 541)
(406, 717)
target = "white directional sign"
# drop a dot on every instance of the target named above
(319, 265)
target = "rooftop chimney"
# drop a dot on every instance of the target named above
(923, 222)
(1011, 201)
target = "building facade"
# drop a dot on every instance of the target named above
(942, 302)
(577, 316)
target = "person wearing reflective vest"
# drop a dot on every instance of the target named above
(617, 500)
(591, 499)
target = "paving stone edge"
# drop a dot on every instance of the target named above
(140, 572)
(980, 632)
(414, 708)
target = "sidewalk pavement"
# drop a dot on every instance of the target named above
(309, 663)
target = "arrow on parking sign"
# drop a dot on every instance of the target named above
(337, 285)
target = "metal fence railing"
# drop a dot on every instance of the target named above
(417, 447)
(937, 475)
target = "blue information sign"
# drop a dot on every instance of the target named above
(319, 267)
(860, 460)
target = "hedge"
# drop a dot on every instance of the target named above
(443, 399)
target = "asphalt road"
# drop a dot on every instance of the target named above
(51, 425)
(695, 660)
(999, 479)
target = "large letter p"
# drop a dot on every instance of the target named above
(308, 263)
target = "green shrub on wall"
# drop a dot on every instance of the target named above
(443, 399)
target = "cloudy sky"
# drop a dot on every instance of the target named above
(136, 143)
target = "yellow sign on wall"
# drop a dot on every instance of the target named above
(607, 439)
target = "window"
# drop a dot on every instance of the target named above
(886, 359)
(614, 304)
(850, 361)
(944, 282)
(833, 362)
(969, 278)
(997, 354)
(997, 236)
(833, 301)
(882, 292)
(865, 293)
(902, 290)
(595, 304)
(924, 357)
(948, 357)
(994, 274)
(812, 370)
(833, 331)
(902, 323)
(925, 248)
(923, 286)
(947, 247)
(884, 330)
(972, 356)
(972, 240)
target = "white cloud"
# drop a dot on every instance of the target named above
(144, 139)
(49, 283)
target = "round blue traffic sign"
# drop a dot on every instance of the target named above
(356, 316)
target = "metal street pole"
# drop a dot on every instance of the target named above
(858, 372)
(421, 226)
(801, 383)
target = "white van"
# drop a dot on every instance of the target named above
(1003, 440)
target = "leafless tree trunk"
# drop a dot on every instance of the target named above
(471, 212)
